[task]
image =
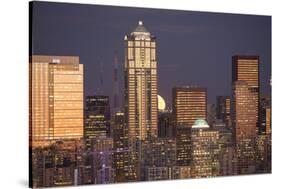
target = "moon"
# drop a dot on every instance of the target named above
(161, 103)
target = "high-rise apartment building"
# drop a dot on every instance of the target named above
(140, 89)
(56, 99)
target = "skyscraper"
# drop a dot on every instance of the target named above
(97, 119)
(244, 120)
(56, 99)
(223, 109)
(189, 104)
(140, 88)
(246, 68)
(245, 79)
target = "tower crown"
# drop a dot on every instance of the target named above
(140, 31)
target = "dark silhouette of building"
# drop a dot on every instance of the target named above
(223, 109)
(97, 118)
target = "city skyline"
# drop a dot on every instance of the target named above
(122, 130)
(182, 35)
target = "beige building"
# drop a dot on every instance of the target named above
(56, 99)
(141, 111)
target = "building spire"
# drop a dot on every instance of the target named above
(116, 83)
(100, 88)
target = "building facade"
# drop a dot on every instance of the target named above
(56, 99)
(140, 89)
(244, 120)
(205, 150)
(246, 68)
(123, 169)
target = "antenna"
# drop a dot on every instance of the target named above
(100, 88)
(116, 83)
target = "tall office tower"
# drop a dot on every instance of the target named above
(189, 104)
(205, 150)
(121, 155)
(140, 89)
(246, 68)
(223, 109)
(55, 99)
(244, 121)
(97, 118)
(265, 114)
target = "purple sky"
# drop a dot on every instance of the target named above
(193, 48)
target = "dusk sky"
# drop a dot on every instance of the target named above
(193, 48)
